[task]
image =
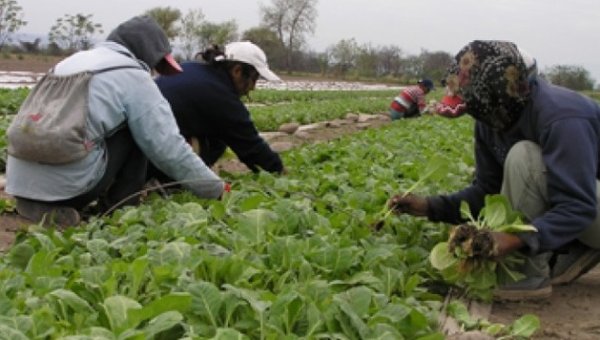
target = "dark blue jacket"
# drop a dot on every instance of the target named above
(566, 125)
(207, 106)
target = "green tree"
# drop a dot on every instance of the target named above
(291, 20)
(267, 40)
(167, 18)
(190, 32)
(366, 61)
(390, 61)
(11, 20)
(412, 68)
(219, 34)
(574, 77)
(342, 56)
(74, 32)
(435, 64)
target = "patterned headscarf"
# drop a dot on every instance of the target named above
(492, 81)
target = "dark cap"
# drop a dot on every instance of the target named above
(427, 83)
(144, 37)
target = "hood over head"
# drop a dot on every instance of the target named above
(493, 81)
(148, 42)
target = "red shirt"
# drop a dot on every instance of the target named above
(450, 106)
(409, 96)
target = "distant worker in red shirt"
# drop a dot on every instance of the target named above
(410, 102)
(451, 105)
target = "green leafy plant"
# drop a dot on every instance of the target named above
(436, 167)
(522, 328)
(7, 205)
(468, 259)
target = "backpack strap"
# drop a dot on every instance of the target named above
(112, 68)
(102, 70)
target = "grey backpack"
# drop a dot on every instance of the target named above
(50, 126)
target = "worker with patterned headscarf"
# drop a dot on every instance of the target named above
(537, 144)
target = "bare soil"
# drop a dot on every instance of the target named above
(27, 63)
(572, 312)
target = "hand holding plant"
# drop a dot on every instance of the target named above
(475, 250)
(436, 167)
(409, 204)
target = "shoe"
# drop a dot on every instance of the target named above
(47, 214)
(578, 260)
(529, 289)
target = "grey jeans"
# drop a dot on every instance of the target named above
(524, 184)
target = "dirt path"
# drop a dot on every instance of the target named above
(572, 312)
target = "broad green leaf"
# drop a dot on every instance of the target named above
(459, 311)
(335, 259)
(494, 215)
(9, 333)
(20, 254)
(250, 296)
(437, 166)
(116, 310)
(73, 300)
(287, 308)
(180, 302)
(411, 284)
(525, 326)
(253, 224)
(465, 212)
(45, 241)
(314, 318)
(441, 258)
(494, 329)
(392, 312)
(232, 304)
(206, 301)
(359, 298)
(23, 324)
(101, 333)
(162, 322)
(229, 334)
(42, 264)
(172, 254)
(218, 210)
(97, 247)
(138, 270)
(351, 320)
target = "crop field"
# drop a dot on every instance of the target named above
(280, 257)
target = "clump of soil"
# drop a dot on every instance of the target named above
(474, 242)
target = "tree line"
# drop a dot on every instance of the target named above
(282, 34)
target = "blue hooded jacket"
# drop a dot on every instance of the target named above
(566, 125)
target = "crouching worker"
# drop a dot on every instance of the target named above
(537, 144)
(410, 102)
(87, 130)
(206, 101)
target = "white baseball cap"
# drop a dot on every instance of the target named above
(249, 53)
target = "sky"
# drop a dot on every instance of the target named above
(565, 32)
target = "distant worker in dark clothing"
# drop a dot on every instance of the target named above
(410, 102)
(206, 101)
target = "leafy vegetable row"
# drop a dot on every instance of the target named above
(279, 257)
